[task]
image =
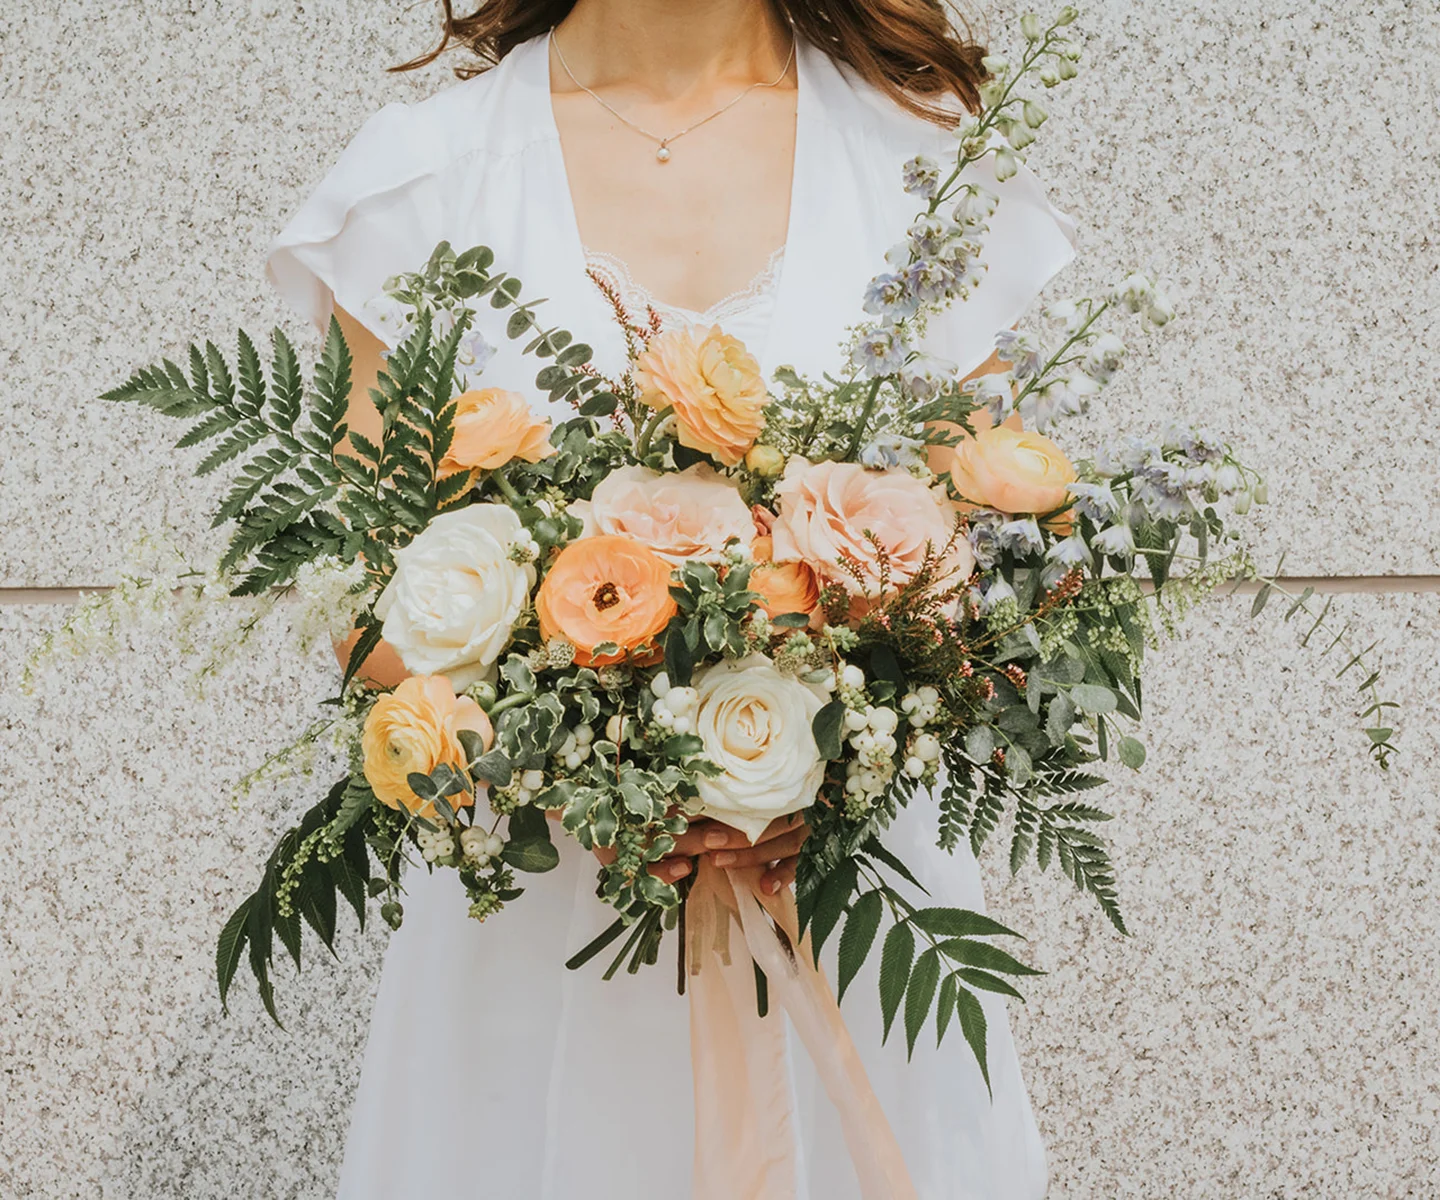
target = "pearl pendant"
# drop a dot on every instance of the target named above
(663, 153)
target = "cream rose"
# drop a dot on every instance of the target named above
(714, 385)
(828, 508)
(755, 723)
(456, 594)
(682, 515)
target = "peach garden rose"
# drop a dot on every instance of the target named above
(606, 588)
(494, 427)
(415, 728)
(684, 515)
(714, 385)
(827, 509)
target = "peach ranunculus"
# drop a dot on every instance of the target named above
(416, 728)
(827, 509)
(1009, 469)
(679, 515)
(714, 385)
(783, 587)
(606, 588)
(494, 427)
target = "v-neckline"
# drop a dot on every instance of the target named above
(574, 249)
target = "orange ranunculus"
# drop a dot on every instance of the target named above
(714, 385)
(1011, 470)
(492, 428)
(415, 728)
(783, 587)
(606, 588)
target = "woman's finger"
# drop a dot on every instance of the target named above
(705, 834)
(782, 874)
(764, 852)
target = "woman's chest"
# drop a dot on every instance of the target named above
(698, 226)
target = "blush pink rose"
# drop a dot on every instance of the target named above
(826, 509)
(680, 515)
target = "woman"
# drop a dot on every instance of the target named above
(727, 160)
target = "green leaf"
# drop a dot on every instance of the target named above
(895, 959)
(958, 922)
(987, 982)
(972, 1025)
(790, 620)
(980, 743)
(985, 956)
(919, 995)
(535, 855)
(229, 948)
(876, 849)
(834, 895)
(857, 937)
(762, 991)
(826, 727)
(494, 768)
(1092, 698)
(1132, 752)
(946, 1008)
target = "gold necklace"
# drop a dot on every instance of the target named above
(662, 148)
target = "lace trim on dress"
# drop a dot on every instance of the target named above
(638, 299)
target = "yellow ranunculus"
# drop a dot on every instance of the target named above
(415, 728)
(714, 385)
(1010, 469)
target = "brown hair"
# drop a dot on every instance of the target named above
(908, 49)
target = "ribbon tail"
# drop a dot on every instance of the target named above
(744, 1130)
(802, 990)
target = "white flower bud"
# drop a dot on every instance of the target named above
(1049, 76)
(523, 795)
(855, 720)
(662, 716)
(1035, 116)
(853, 786)
(1067, 15)
(494, 844)
(615, 728)
(992, 91)
(863, 742)
(1031, 27)
(1261, 492)
(683, 724)
(926, 746)
(1006, 164)
(995, 64)
(533, 779)
(1066, 69)
(928, 696)
(572, 761)
(883, 720)
(914, 768)
(660, 685)
(909, 702)
(584, 734)
(681, 700)
(885, 743)
(852, 676)
(1241, 504)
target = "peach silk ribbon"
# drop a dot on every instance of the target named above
(745, 1146)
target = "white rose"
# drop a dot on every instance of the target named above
(680, 515)
(456, 594)
(755, 723)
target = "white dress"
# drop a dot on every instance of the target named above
(492, 1071)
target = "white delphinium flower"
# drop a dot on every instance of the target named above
(921, 176)
(888, 296)
(1094, 500)
(995, 593)
(975, 207)
(1071, 315)
(1104, 358)
(926, 376)
(879, 352)
(1116, 539)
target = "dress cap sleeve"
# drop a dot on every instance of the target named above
(1029, 242)
(377, 213)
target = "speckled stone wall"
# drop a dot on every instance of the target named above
(1268, 1031)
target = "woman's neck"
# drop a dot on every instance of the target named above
(662, 51)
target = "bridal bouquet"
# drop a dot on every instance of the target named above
(700, 594)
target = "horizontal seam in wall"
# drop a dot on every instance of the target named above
(1327, 584)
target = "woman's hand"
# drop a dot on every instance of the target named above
(778, 848)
